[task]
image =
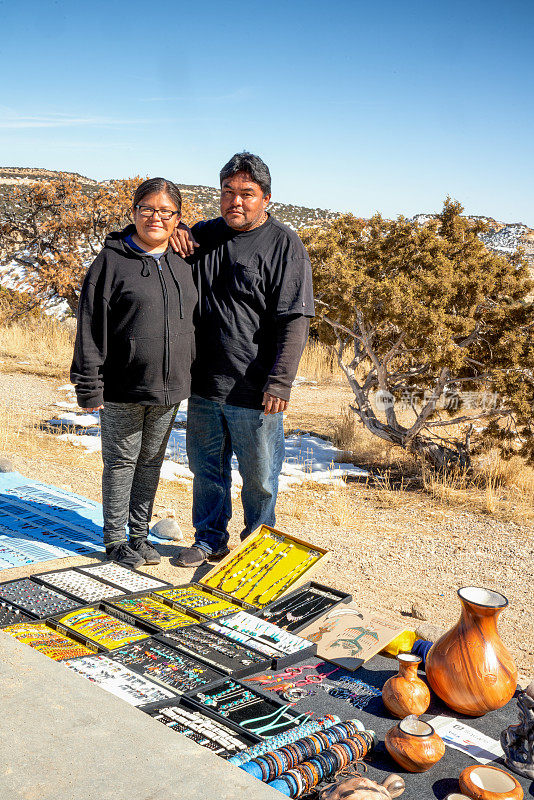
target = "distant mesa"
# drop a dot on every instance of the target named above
(503, 237)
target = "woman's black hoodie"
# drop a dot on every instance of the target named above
(135, 338)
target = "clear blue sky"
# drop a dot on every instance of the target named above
(355, 106)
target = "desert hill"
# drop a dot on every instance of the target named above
(505, 237)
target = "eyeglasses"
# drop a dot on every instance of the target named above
(148, 211)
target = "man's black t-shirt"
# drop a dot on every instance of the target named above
(248, 283)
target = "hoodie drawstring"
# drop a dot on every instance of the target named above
(145, 271)
(177, 282)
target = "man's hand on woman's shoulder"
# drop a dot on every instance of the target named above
(182, 241)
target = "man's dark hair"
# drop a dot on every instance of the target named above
(256, 169)
(154, 185)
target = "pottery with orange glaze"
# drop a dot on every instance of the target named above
(406, 693)
(469, 667)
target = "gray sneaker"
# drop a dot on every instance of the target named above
(123, 554)
(140, 545)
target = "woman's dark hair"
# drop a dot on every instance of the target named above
(256, 169)
(153, 185)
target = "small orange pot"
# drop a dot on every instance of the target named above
(414, 744)
(406, 693)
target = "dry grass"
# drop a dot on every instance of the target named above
(499, 488)
(20, 433)
(319, 363)
(503, 489)
(362, 447)
(40, 346)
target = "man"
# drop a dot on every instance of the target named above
(255, 301)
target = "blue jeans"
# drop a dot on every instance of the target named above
(214, 431)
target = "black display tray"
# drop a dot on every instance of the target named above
(286, 600)
(11, 615)
(87, 569)
(36, 590)
(154, 660)
(184, 702)
(41, 579)
(236, 667)
(278, 661)
(265, 704)
(59, 623)
(150, 626)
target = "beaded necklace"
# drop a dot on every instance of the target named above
(309, 605)
(256, 545)
(267, 567)
(249, 569)
(292, 576)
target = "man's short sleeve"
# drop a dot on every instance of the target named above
(296, 290)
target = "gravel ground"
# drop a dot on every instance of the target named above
(399, 552)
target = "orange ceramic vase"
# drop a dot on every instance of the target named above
(406, 693)
(469, 668)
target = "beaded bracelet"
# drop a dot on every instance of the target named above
(286, 738)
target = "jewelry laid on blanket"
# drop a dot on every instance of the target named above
(119, 680)
(193, 598)
(47, 641)
(163, 664)
(99, 628)
(148, 610)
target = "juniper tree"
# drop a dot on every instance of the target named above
(53, 229)
(430, 314)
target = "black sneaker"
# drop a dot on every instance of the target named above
(140, 545)
(192, 557)
(123, 554)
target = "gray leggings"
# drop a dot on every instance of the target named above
(134, 439)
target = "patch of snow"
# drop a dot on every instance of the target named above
(307, 457)
(507, 239)
(91, 443)
(83, 420)
(300, 379)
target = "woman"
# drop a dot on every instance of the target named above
(132, 360)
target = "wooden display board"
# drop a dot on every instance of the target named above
(349, 635)
(267, 565)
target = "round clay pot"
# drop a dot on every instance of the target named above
(469, 668)
(414, 744)
(489, 783)
(406, 693)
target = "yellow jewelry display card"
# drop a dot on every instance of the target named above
(264, 567)
(192, 599)
(101, 628)
(150, 610)
(49, 642)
